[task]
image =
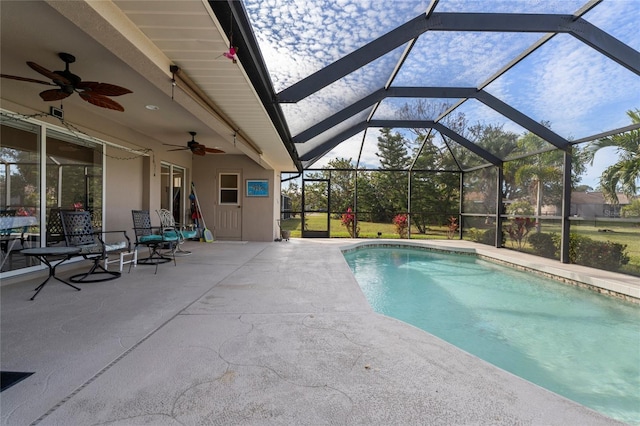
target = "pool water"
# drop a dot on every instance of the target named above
(569, 340)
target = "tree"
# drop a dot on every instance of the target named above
(392, 150)
(583, 188)
(632, 209)
(501, 143)
(624, 174)
(342, 176)
(540, 173)
(369, 204)
(392, 184)
(295, 195)
(434, 194)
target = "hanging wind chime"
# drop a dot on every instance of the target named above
(233, 50)
(231, 54)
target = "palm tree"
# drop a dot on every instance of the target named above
(625, 174)
(540, 173)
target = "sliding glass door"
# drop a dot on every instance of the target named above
(174, 190)
(34, 187)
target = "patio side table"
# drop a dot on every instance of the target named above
(44, 253)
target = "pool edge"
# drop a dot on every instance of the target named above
(599, 281)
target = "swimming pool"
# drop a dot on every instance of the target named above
(569, 340)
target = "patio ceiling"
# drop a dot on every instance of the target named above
(566, 70)
(133, 44)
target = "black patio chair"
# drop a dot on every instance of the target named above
(155, 238)
(54, 231)
(79, 232)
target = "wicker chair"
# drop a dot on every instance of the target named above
(79, 232)
(155, 238)
(168, 222)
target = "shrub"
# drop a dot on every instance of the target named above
(518, 230)
(452, 227)
(596, 254)
(521, 207)
(475, 235)
(489, 237)
(348, 220)
(402, 225)
(543, 245)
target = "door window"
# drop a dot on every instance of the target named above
(229, 188)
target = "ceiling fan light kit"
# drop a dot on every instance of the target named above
(95, 93)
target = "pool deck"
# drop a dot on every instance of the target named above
(252, 334)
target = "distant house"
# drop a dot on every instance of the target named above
(590, 204)
(583, 204)
(594, 204)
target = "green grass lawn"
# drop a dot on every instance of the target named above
(622, 233)
(318, 221)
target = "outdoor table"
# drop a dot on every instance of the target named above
(7, 226)
(44, 253)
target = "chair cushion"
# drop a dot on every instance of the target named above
(171, 236)
(90, 249)
(151, 238)
(189, 234)
(120, 245)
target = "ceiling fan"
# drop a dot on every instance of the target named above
(195, 147)
(91, 91)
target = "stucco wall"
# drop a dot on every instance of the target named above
(257, 217)
(123, 188)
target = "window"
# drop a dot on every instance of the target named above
(229, 188)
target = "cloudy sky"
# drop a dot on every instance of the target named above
(579, 91)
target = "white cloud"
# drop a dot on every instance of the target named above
(510, 6)
(618, 18)
(577, 89)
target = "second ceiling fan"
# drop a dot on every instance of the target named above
(196, 147)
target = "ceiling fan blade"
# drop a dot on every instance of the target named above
(198, 150)
(57, 78)
(178, 149)
(105, 89)
(30, 80)
(53, 95)
(101, 101)
(179, 146)
(214, 150)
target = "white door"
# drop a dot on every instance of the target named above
(229, 209)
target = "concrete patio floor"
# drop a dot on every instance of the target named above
(246, 334)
